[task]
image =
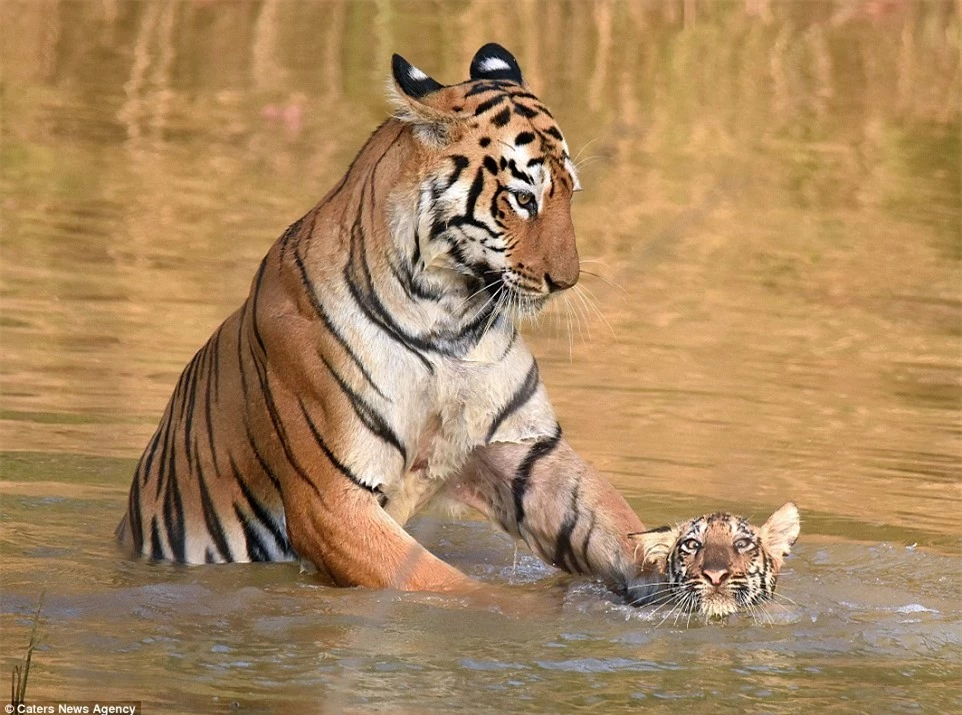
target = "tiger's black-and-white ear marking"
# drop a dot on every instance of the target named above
(415, 102)
(494, 62)
(412, 81)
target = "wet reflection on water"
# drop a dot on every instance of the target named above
(772, 206)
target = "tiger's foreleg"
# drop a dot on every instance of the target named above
(345, 533)
(546, 495)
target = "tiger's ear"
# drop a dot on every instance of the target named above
(653, 546)
(410, 80)
(494, 62)
(411, 95)
(780, 532)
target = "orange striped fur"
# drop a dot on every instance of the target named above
(375, 366)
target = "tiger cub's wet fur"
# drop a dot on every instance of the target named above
(716, 564)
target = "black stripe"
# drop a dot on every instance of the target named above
(412, 287)
(538, 107)
(255, 293)
(524, 138)
(166, 425)
(256, 551)
(148, 457)
(657, 530)
(564, 555)
(370, 303)
(134, 517)
(372, 178)
(187, 380)
(262, 514)
(174, 521)
(517, 401)
(474, 192)
(460, 164)
(496, 213)
(481, 87)
(289, 234)
(519, 484)
(278, 425)
(240, 351)
(331, 328)
(215, 360)
(340, 466)
(375, 312)
(343, 182)
(260, 459)
(502, 117)
(491, 101)
(472, 331)
(514, 339)
(211, 520)
(553, 131)
(208, 416)
(523, 111)
(459, 221)
(156, 549)
(164, 468)
(192, 396)
(370, 417)
(518, 174)
(416, 256)
(586, 543)
(178, 388)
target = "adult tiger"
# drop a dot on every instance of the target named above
(376, 362)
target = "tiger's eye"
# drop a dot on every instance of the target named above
(524, 198)
(691, 544)
(743, 544)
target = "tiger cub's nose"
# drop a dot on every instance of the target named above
(716, 577)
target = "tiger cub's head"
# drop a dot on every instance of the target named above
(717, 564)
(494, 184)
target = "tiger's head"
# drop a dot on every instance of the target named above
(494, 184)
(717, 564)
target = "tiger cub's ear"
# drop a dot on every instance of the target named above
(494, 62)
(653, 546)
(780, 532)
(413, 95)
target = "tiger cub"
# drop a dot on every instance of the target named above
(376, 365)
(716, 564)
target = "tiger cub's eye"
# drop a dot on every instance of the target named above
(743, 544)
(691, 544)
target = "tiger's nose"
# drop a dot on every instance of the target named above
(716, 577)
(559, 281)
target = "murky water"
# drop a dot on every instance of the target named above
(773, 205)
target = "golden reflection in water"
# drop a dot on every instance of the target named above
(772, 205)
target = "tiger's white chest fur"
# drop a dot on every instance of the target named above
(492, 395)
